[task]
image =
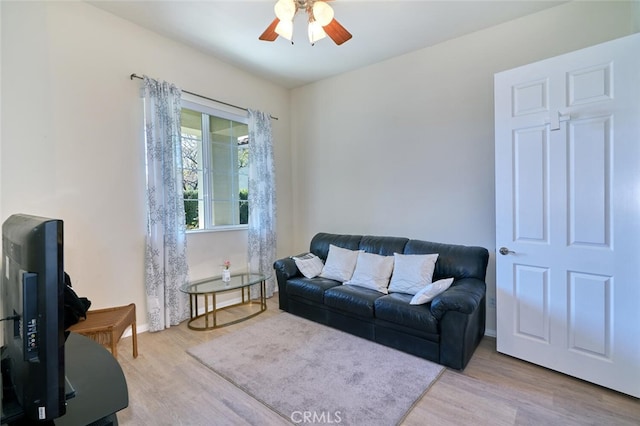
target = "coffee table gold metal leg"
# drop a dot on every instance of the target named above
(213, 310)
(195, 299)
(206, 311)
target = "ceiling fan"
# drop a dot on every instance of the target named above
(321, 21)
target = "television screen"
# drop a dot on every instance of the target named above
(33, 311)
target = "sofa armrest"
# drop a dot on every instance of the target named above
(464, 296)
(285, 269)
(461, 313)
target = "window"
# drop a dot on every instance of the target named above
(215, 160)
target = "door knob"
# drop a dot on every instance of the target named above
(505, 251)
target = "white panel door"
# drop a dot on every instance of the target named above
(568, 213)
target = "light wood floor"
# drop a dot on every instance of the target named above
(168, 387)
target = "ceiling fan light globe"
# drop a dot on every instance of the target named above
(285, 9)
(285, 29)
(316, 32)
(323, 13)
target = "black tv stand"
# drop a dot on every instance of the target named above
(98, 388)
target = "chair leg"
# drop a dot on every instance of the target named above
(114, 346)
(134, 336)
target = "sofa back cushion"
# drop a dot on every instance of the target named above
(320, 243)
(455, 261)
(385, 246)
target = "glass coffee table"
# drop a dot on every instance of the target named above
(209, 288)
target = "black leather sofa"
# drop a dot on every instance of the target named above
(446, 330)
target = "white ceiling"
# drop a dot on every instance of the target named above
(229, 30)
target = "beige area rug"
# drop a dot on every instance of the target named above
(314, 374)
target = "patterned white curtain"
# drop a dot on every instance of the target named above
(166, 245)
(262, 200)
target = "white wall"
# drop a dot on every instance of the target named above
(405, 147)
(72, 144)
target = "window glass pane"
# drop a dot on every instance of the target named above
(243, 177)
(241, 136)
(192, 171)
(229, 160)
(223, 171)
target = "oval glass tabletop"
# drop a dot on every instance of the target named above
(215, 284)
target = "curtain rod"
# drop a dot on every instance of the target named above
(134, 75)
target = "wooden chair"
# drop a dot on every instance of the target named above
(106, 326)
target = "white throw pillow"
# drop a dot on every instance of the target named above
(340, 264)
(411, 272)
(427, 294)
(372, 271)
(309, 264)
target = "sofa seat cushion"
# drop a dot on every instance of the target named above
(395, 308)
(352, 299)
(310, 288)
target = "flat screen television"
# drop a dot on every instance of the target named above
(33, 314)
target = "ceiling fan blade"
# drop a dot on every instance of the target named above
(337, 32)
(270, 33)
